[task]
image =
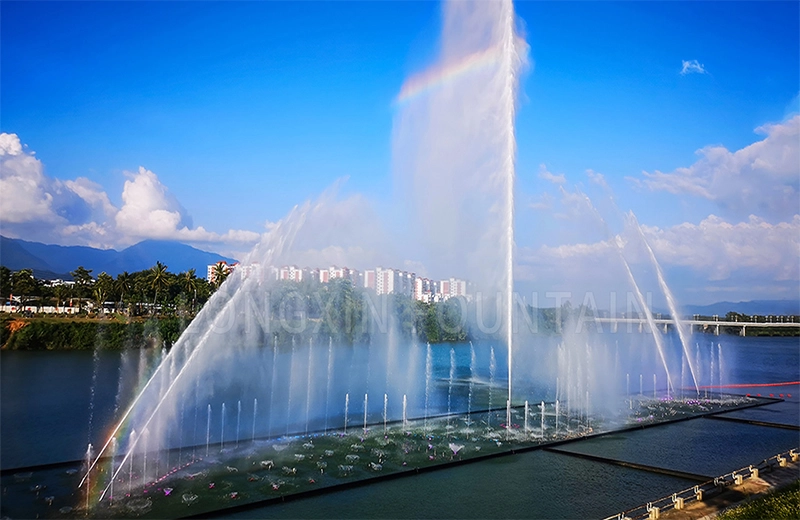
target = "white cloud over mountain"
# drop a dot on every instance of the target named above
(35, 206)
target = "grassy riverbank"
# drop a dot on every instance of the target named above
(71, 333)
(781, 504)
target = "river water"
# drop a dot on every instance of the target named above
(53, 403)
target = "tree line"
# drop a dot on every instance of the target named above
(289, 311)
(151, 292)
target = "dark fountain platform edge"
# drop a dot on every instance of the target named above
(755, 401)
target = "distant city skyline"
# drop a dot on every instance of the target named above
(206, 123)
(382, 280)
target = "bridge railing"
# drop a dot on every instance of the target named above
(700, 492)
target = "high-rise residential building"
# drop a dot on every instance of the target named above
(453, 287)
(384, 280)
(290, 272)
(334, 272)
(370, 280)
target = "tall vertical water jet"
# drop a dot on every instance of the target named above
(509, 72)
(208, 430)
(526, 416)
(428, 377)
(492, 370)
(271, 404)
(222, 429)
(238, 420)
(329, 380)
(309, 380)
(556, 417)
(366, 408)
(255, 415)
(454, 135)
(473, 362)
(450, 383)
(346, 410)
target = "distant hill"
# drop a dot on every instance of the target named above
(757, 307)
(52, 261)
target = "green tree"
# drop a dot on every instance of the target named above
(189, 284)
(5, 282)
(83, 282)
(103, 288)
(61, 293)
(220, 273)
(159, 280)
(25, 286)
(123, 286)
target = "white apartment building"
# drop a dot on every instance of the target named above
(290, 272)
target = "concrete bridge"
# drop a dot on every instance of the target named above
(701, 325)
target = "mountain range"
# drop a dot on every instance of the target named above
(51, 261)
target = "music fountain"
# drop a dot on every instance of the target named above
(262, 400)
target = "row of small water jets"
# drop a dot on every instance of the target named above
(577, 410)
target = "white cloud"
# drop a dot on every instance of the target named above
(546, 175)
(36, 206)
(24, 193)
(692, 66)
(713, 250)
(762, 178)
(719, 249)
(148, 209)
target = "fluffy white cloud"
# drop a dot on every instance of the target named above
(713, 250)
(38, 207)
(719, 248)
(692, 66)
(148, 209)
(24, 190)
(762, 178)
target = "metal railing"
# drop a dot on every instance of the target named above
(682, 498)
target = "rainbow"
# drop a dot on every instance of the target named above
(438, 76)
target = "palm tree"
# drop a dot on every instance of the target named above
(220, 273)
(158, 280)
(189, 282)
(102, 288)
(123, 285)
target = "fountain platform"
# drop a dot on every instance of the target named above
(186, 482)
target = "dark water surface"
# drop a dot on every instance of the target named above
(48, 413)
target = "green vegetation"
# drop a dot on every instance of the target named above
(113, 312)
(778, 505)
(152, 292)
(72, 334)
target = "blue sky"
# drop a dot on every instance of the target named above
(239, 111)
